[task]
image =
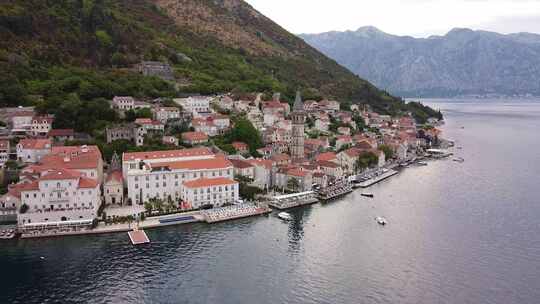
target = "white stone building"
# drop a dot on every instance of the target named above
(243, 168)
(86, 160)
(209, 191)
(161, 174)
(123, 103)
(113, 188)
(4, 151)
(59, 196)
(163, 114)
(262, 173)
(205, 125)
(32, 150)
(21, 122)
(194, 104)
(41, 125)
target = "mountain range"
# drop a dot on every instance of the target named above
(80, 50)
(462, 62)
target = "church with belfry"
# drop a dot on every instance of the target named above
(298, 117)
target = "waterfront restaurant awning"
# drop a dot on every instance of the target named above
(293, 195)
(57, 224)
(436, 151)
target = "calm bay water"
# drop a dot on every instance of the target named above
(457, 233)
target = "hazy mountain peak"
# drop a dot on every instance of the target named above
(459, 31)
(369, 31)
(463, 61)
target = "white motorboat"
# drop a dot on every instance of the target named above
(381, 220)
(285, 216)
(422, 163)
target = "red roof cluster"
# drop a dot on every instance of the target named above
(61, 132)
(167, 154)
(241, 164)
(35, 143)
(199, 164)
(194, 136)
(209, 182)
(240, 146)
(115, 176)
(328, 156)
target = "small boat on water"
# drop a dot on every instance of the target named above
(422, 163)
(367, 195)
(355, 184)
(381, 220)
(285, 216)
(459, 159)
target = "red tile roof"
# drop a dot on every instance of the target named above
(241, 164)
(23, 114)
(355, 152)
(344, 138)
(209, 182)
(261, 163)
(147, 121)
(4, 144)
(59, 174)
(326, 156)
(198, 122)
(297, 172)
(194, 136)
(76, 151)
(364, 144)
(280, 157)
(327, 164)
(115, 176)
(167, 154)
(200, 164)
(85, 182)
(35, 144)
(238, 145)
(61, 132)
(32, 186)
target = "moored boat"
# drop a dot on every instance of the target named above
(381, 220)
(285, 216)
(368, 195)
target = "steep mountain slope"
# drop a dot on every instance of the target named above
(461, 62)
(90, 47)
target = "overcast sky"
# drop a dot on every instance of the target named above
(418, 18)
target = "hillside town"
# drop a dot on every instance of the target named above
(217, 158)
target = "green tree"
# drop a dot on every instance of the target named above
(388, 152)
(293, 184)
(244, 131)
(365, 160)
(131, 115)
(359, 122)
(149, 207)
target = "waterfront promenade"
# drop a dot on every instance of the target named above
(148, 223)
(378, 178)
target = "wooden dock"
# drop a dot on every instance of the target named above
(378, 179)
(138, 237)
